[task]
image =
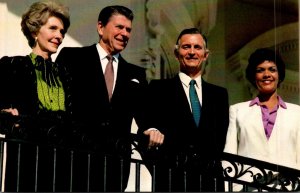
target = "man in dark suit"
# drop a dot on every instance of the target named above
(185, 144)
(105, 115)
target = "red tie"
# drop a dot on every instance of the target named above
(109, 76)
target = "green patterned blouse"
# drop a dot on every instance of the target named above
(50, 91)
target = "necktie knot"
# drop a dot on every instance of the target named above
(109, 58)
(192, 82)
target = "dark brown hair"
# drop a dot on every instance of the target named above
(259, 56)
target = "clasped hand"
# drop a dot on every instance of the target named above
(12, 111)
(156, 138)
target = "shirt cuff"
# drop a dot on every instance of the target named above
(152, 129)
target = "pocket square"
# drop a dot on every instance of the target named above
(135, 80)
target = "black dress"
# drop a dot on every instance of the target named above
(31, 167)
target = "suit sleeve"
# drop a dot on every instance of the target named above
(60, 59)
(140, 98)
(151, 117)
(152, 102)
(225, 122)
(231, 144)
(5, 81)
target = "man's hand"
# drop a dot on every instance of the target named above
(156, 138)
(12, 111)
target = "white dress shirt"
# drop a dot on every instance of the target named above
(185, 80)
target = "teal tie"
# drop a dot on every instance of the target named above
(196, 107)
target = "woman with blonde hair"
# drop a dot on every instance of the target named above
(34, 86)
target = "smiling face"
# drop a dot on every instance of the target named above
(49, 37)
(115, 34)
(266, 77)
(191, 53)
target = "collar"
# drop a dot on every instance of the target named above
(102, 53)
(47, 68)
(185, 79)
(255, 101)
(35, 58)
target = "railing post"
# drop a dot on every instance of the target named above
(137, 176)
(36, 168)
(2, 147)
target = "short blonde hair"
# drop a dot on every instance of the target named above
(38, 14)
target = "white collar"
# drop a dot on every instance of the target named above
(185, 79)
(102, 53)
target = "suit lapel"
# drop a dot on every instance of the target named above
(208, 105)
(207, 100)
(96, 76)
(182, 100)
(121, 80)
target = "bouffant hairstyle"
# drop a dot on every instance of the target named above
(37, 16)
(259, 56)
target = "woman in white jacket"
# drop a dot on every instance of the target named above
(265, 128)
